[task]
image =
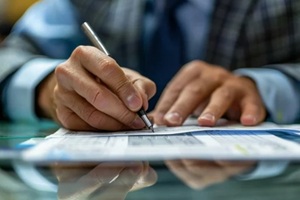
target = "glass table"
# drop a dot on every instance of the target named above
(175, 179)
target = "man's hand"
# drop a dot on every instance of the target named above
(102, 181)
(199, 174)
(91, 91)
(210, 92)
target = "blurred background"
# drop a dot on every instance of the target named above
(10, 12)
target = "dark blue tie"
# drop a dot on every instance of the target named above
(164, 48)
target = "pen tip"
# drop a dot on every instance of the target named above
(152, 129)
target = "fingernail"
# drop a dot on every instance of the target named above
(208, 117)
(135, 170)
(133, 102)
(173, 118)
(249, 120)
(138, 123)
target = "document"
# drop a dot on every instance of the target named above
(224, 142)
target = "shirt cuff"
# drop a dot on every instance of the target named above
(265, 169)
(19, 99)
(279, 93)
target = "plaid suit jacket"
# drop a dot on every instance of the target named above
(256, 33)
(244, 34)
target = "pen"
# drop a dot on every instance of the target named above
(97, 43)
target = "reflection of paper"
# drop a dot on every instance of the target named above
(232, 142)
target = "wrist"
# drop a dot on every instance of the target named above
(44, 97)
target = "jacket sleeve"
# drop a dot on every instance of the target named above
(46, 34)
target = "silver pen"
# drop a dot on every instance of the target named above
(97, 43)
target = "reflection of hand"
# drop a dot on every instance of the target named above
(91, 91)
(199, 174)
(213, 92)
(104, 181)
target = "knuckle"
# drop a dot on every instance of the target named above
(79, 51)
(99, 100)
(193, 66)
(123, 86)
(215, 109)
(225, 93)
(126, 117)
(60, 70)
(220, 74)
(108, 66)
(88, 114)
(93, 119)
(62, 73)
(198, 63)
(151, 89)
(195, 90)
(173, 88)
(148, 85)
(63, 118)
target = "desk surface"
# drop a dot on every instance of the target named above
(180, 179)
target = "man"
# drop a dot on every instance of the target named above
(221, 58)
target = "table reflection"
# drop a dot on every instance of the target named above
(199, 174)
(176, 179)
(169, 179)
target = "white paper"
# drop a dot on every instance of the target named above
(227, 141)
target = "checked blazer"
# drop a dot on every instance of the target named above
(252, 33)
(243, 34)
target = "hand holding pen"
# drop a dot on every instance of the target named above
(97, 42)
(90, 91)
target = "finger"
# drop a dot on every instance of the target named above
(173, 90)
(205, 173)
(77, 111)
(66, 172)
(68, 119)
(98, 95)
(146, 88)
(233, 168)
(194, 93)
(110, 73)
(190, 179)
(253, 111)
(119, 188)
(100, 102)
(98, 177)
(147, 178)
(177, 168)
(219, 103)
(167, 99)
(201, 80)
